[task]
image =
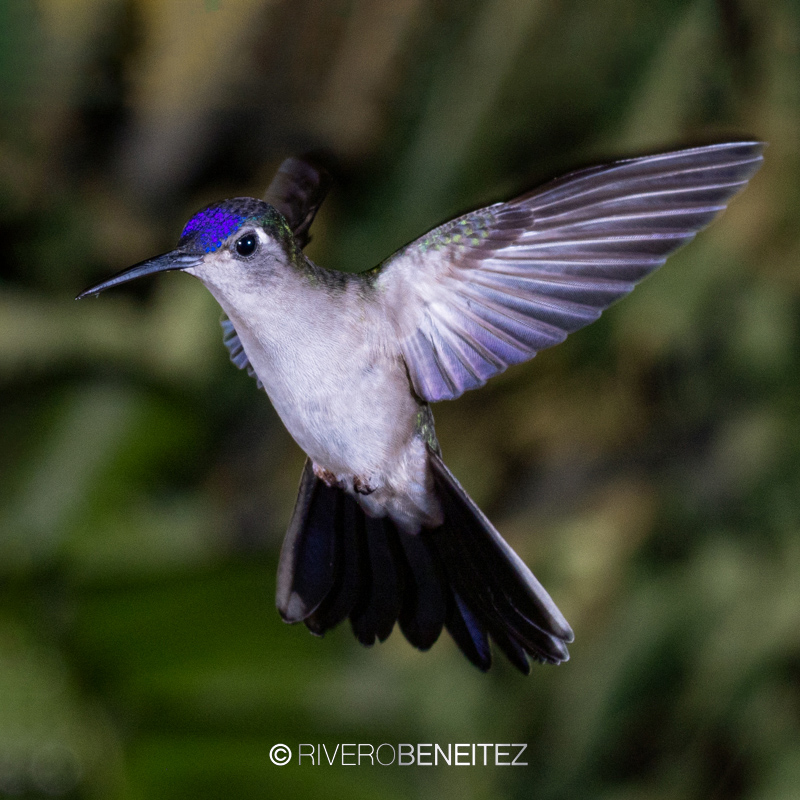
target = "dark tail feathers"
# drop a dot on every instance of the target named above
(337, 562)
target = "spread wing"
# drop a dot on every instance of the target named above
(494, 287)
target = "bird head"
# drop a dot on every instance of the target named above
(230, 245)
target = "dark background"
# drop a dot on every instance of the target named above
(648, 469)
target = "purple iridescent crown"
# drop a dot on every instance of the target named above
(211, 226)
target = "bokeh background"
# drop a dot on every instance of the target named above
(648, 469)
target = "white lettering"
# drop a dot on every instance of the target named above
(497, 754)
(405, 750)
(425, 754)
(348, 763)
(332, 758)
(446, 758)
(369, 755)
(300, 753)
(378, 754)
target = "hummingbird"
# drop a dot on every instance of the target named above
(382, 532)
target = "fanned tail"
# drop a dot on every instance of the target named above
(339, 563)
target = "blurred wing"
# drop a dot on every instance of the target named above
(494, 287)
(235, 349)
(297, 191)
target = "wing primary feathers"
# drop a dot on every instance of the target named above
(615, 223)
(548, 289)
(697, 162)
(666, 215)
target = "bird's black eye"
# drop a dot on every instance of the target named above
(246, 246)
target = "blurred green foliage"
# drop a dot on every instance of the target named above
(648, 469)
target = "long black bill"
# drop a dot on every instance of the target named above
(163, 263)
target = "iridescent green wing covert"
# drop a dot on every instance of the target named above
(494, 287)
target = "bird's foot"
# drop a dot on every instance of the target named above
(327, 477)
(362, 487)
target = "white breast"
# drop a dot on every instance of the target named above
(327, 370)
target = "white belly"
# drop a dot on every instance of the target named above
(346, 403)
(345, 397)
